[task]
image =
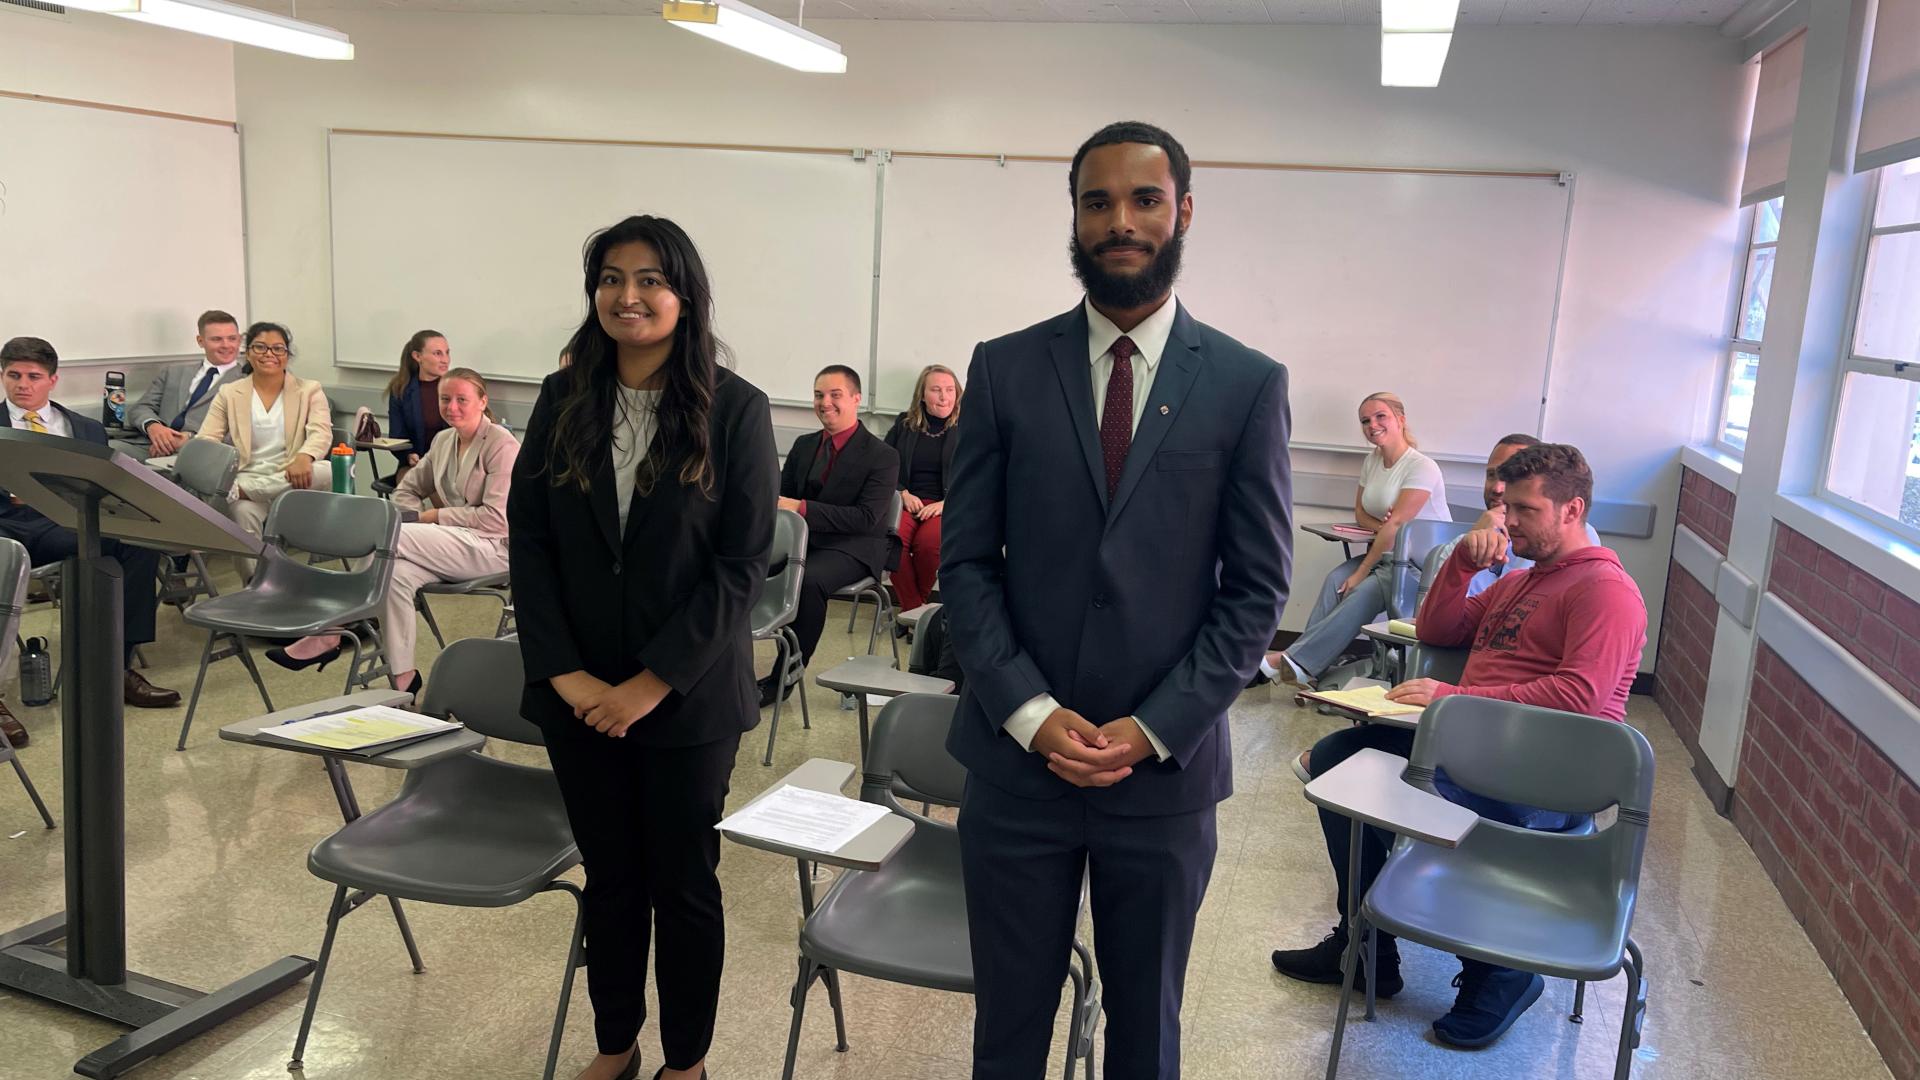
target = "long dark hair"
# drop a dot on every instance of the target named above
(409, 366)
(583, 418)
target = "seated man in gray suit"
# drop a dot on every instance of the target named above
(176, 401)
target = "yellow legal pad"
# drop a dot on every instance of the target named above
(360, 730)
(1367, 700)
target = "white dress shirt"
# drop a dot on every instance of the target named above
(1149, 342)
(51, 418)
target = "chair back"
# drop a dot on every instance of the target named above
(478, 682)
(779, 599)
(206, 468)
(14, 567)
(1412, 545)
(1548, 759)
(895, 508)
(907, 754)
(1436, 662)
(344, 526)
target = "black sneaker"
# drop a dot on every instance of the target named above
(766, 691)
(1321, 964)
(1490, 1000)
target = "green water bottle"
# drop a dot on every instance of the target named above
(343, 469)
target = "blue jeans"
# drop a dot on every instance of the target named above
(1336, 619)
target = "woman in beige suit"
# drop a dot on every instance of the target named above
(460, 490)
(280, 423)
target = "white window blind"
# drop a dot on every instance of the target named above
(1890, 109)
(1772, 134)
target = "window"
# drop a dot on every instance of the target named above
(1749, 327)
(1874, 462)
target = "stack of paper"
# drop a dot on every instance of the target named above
(1366, 700)
(1403, 627)
(1350, 532)
(819, 821)
(366, 730)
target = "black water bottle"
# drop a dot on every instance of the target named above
(113, 401)
(36, 673)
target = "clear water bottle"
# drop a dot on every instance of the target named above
(36, 673)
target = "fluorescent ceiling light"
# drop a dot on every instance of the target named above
(744, 27)
(1413, 59)
(1418, 16)
(243, 25)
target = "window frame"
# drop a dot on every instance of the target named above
(1852, 362)
(1735, 344)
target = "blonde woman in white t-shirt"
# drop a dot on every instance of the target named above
(1398, 483)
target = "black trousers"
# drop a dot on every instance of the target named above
(140, 599)
(827, 573)
(1022, 861)
(643, 817)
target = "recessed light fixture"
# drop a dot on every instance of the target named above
(235, 23)
(749, 29)
(1414, 38)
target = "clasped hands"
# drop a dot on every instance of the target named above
(607, 708)
(1087, 756)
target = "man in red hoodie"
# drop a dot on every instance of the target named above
(1565, 634)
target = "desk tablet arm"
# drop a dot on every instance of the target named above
(359, 699)
(1374, 787)
(868, 851)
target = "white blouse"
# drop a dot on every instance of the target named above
(633, 430)
(269, 437)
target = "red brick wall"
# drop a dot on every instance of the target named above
(1833, 821)
(1706, 508)
(1685, 653)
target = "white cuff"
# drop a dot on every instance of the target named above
(1025, 722)
(1159, 748)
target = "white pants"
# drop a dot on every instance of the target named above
(426, 554)
(252, 497)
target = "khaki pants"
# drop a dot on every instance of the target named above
(426, 554)
(252, 497)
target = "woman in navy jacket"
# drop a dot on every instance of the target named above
(413, 396)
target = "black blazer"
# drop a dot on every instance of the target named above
(1155, 603)
(672, 596)
(904, 439)
(850, 512)
(84, 429)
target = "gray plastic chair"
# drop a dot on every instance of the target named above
(907, 921)
(205, 469)
(498, 586)
(289, 598)
(869, 588)
(13, 600)
(1558, 904)
(1416, 540)
(773, 612)
(472, 831)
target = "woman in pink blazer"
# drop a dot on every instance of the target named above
(460, 490)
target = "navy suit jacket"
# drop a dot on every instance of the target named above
(84, 429)
(1157, 603)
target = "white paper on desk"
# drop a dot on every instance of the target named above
(798, 817)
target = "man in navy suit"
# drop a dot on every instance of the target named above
(1118, 544)
(31, 369)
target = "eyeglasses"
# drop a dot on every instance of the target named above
(257, 349)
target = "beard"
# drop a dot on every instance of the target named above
(1122, 292)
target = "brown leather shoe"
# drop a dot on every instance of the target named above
(16, 731)
(142, 694)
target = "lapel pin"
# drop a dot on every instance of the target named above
(1164, 410)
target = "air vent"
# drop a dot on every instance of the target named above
(36, 5)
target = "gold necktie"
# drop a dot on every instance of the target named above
(34, 424)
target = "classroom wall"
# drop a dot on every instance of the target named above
(112, 61)
(1651, 121)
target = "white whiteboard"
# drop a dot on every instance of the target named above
(116, 229)
(1441, 288)
(481, 239)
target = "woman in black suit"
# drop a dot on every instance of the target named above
(920, 437)
(641, 521)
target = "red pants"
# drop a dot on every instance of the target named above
(919, 560)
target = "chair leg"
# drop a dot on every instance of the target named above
(800, 987)
(426, 612)
(779, 692)
(1634, 1013)
(334, 913)
(1079, 982)
(7, 752)
(206, 655)
(574, 961)
(1579, 1002)
(853, 612)
(799, 676)
(1373, 955)
(246, 658)
(832, 979)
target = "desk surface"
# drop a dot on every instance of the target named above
(875, 675)
(867, 851)
(913, 617)
(411, 756)
(1404, 720)
(1379, 632)
(1325, 531)
(1368, 787)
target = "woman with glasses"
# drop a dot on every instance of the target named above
(280, 423)
(640, 524)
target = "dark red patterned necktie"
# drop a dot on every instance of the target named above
(1116, 417)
